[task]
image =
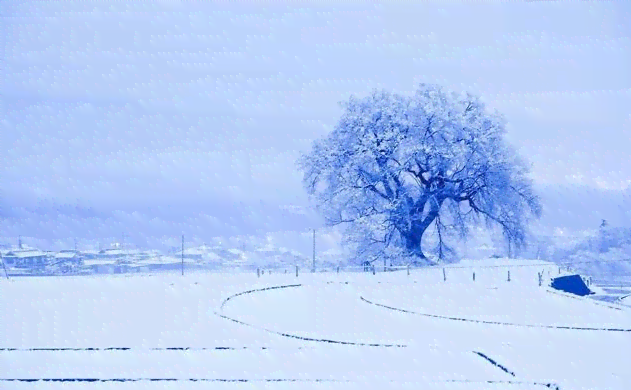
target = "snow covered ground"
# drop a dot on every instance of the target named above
(318, 331)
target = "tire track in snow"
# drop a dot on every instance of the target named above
(257, 290)
(129, 349)
(482, 355)
(496, 364)
(339, 342)
(496, 322)
(591, 301)
(272, 380)
(163, 380)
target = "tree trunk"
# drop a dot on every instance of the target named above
(414, 236)
(413, 244)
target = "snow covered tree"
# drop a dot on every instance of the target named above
(396, 167)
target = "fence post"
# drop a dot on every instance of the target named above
(444, 275)
(285, 270)
(373, 269)
(509, 275)
(540, 279)
(408, 270)
(338, 269)
(474, 276)
(258, 272)
(296, 271)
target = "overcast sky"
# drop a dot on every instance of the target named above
(124, 105)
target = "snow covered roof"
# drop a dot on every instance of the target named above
(119, 252)
(26, 253)
(170, 260)
(65, 255)
(90, 262)
(198, 250)
(212, 256)
(111, 252)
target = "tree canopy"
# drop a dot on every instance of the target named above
(395, 167)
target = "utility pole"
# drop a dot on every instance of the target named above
(75, 244)
(4, 266)
(20, 242)
(182, 254)
(313, 269)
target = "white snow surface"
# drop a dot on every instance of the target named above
(279, 334)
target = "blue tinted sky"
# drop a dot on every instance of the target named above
(136, 107)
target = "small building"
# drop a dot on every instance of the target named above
(196, 254)
(161, 263)
(122, 256)
(67, 258)
(144, 255)
(26, 258)
(89, 254)
(573, 284)
(101, 266)
(112, 254)
(65, 262)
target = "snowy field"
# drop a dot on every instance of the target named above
(316, 331)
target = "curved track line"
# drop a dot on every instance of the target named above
(257, 290)
(130, 349)
(165, 380)
(92, 380)
(496, 364)
(494, 322)
(292, 335)
(588, 300)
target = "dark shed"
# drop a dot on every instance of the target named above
(572, 284)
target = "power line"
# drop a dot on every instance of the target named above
(4, 266)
